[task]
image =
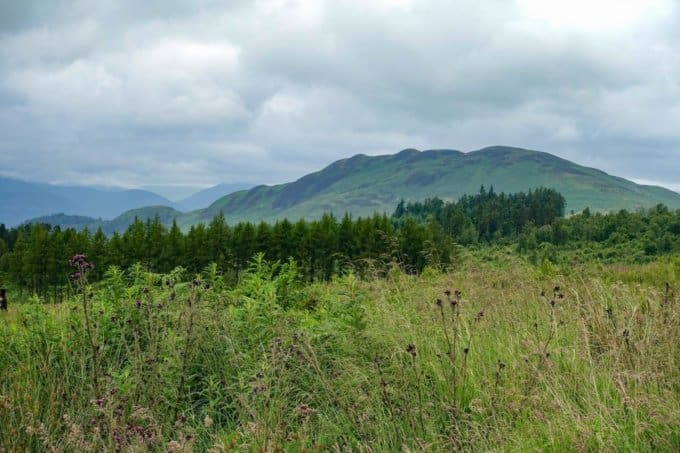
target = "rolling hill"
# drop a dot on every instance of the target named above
(364, 184)
(22, 200)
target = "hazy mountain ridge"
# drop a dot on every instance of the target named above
(364, 184)
(22, 200)
(206, 197)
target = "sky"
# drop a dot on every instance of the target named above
(174, 95)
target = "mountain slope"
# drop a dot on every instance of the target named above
(22, 200)
(363, 184)
(206, 197)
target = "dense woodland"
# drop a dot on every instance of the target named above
(535, 223)
(34, 257)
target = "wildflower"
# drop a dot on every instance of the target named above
(207, 421)
(138, 304)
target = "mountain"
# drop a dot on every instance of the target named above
(364, 184)
(206, 197)
(22, 200)
(118, 224)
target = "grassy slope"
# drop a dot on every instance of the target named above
(363, 185)
(326, 366)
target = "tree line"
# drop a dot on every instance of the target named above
(34, 257)
(534, 221)
(487, 216)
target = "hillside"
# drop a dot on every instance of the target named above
(365, 184)
(22, 200)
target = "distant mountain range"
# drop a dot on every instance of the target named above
(21, 200)
(74, 205)
(364, 184)
(207, 196)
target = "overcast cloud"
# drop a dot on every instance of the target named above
(191, 93)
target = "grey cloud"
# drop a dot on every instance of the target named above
(191, 93)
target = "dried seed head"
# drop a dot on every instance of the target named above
(303, 410)
(411, 349)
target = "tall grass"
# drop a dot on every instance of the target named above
(485, 357)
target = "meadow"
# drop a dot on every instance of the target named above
(489, 353)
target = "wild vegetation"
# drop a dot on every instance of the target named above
(489, 355)
(392, 337)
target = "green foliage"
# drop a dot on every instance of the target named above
(492, 356)
(490, 215)
(37, 258)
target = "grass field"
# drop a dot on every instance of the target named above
(494, 354)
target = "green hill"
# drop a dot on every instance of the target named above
(364, 184)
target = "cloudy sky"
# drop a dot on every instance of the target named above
(168, 93)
